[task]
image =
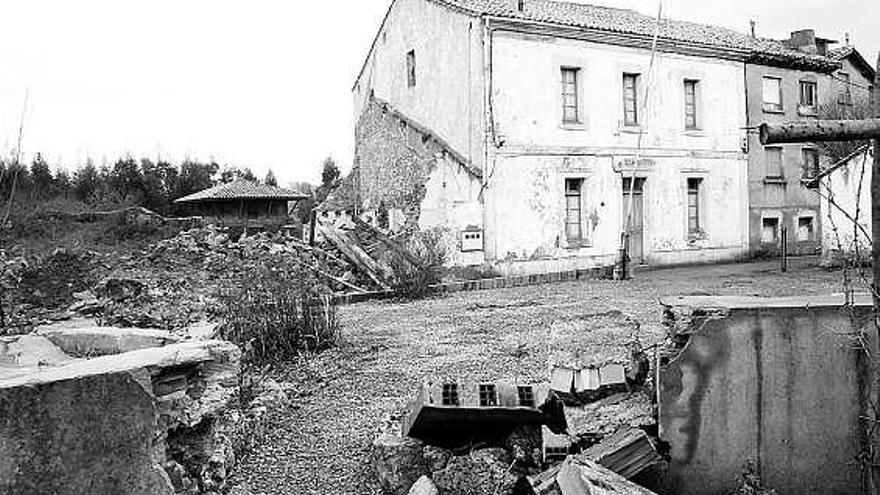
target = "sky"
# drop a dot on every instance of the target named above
(259, 83)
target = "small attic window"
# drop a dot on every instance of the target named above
(450, 394)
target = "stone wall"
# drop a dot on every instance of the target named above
(408, 172)
(776, 381)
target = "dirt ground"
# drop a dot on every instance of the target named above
(343, 395)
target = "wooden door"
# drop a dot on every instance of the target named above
(636, 229)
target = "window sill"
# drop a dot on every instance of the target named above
(808, 111)
(572, 126)
(775, 180)
(774, 110)
(695, 133)
(577, 245)
(630, 129)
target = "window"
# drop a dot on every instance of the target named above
(807, 97)
(630, 99)
(810, 163)
(573, 228)
(805, 229)
(450, 394)
(772, 94)
(526, 396)
(570, 96)
(773, 163)
(488, 395)
(690, 104)
(769, 230)
(844, 95)
(411, 68)
(693, 193)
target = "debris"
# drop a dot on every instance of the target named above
(627, 453)
(578, 476)
(482, 472)
(398, 462)
(423, 486)
(453, 414)
(555, 447)
(607, 416)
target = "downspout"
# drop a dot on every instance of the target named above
(748, 152)
(488, 140)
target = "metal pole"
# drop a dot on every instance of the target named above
(784, 249)
(312, 221)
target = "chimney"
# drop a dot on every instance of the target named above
(752, 25)
(803, 40)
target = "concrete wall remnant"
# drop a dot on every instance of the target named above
(101, 425)
(774, 381)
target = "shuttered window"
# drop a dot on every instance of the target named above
(570, 95)
(630, 99)
(573, 216)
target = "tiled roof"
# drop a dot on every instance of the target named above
(630, 22)
(241, 189)
(841, 52)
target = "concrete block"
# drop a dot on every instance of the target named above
(102, 341)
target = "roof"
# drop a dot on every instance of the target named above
(344, 196)
(849, 52)
(241, 189)
(630, 22)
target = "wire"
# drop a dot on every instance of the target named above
(850, 83)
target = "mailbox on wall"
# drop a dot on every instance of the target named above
(471, 239)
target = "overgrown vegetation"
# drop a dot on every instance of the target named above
(274, 306)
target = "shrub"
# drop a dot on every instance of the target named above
(273, 305)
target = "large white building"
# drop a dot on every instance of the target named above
(526, 129)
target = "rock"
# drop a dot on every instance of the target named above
(221, 462)
(483, 472)
(436, 458)
(398, 462)
(523, 443)
(119, 289)
(423, 486)
(180, 479)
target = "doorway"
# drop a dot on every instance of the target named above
(636, 230)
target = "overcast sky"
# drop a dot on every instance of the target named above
(254, 83)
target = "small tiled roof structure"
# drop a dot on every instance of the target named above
(240, 189)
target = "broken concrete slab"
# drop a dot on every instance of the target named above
(102, 341)
(773, 380)
(627, 453)
(454, 413)
(609, 415)
(30, 351)
(578, 476)
(99, 425)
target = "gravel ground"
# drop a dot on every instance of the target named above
(323, 445)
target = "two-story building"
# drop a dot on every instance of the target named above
(534, 133)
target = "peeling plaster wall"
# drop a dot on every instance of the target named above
(526, 173)
(788, 200)
(776, 381)
(448, 95)
(419, 183)
(850, 188)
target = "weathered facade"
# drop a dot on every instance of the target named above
(779, 200)
(846, 208)
(539, 168)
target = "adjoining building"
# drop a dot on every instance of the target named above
(243, 203)
(521, 128)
